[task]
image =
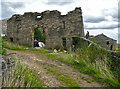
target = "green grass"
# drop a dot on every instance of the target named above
(88, 79)
(69, 82)
(117, 49)
(42, 50)
(14, 46)
(2, 51)
(93, 62)
(23, 76)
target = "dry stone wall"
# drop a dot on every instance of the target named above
(7, 65)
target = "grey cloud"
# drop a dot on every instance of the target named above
(119, 12)
(92, 19)
(119, 9)
(119, 38)
(59, 2)
(115, 16)
(112, 12)
(106, 12)
(7, 8)
(16, 4)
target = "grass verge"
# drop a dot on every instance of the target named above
(23, 76)
(92, 62)
(69, 82)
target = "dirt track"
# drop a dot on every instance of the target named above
(41, 64)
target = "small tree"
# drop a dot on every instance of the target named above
(38, 35)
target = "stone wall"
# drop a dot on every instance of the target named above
(6, 71)
(56, 26)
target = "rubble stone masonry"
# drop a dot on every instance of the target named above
(20, 28)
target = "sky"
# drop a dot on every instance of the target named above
(99, 16)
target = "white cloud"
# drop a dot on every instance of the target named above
(102, 25)
(109, 18)
(40, 6)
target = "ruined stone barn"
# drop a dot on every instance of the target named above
(59, 29)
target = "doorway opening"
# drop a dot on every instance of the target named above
(39, 35)
(75, 43)
(11, 39)
(111, 47)
(79, 43)
(64, 42)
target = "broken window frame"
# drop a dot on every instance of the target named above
(64, 42)
(40, 17)
(17, 18)
(107, 42)
(11, 39)
(63, 24)
(17, 31)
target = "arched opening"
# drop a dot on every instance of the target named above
(111, 47)
(75, 43)
(39, 34)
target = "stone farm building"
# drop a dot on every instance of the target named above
(105, 41)
(57, 28)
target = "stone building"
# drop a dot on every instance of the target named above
(59, 29)
(105, 41)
